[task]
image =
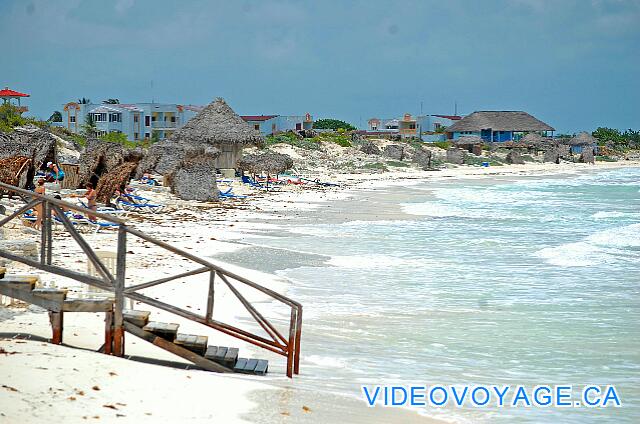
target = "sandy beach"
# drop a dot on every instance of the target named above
(42, 382)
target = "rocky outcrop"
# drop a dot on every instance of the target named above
(422, 158)
(514, 158)
(456, 156)
(394, 151)
(369, 148)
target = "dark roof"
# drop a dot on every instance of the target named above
(499, 121)
(257, 117)
(452, 117)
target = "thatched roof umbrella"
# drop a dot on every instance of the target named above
(269, 162)
(466, 140)
(216, 125)
(14, 170)
(98, 158)
(115, 179)
(583, 139)
(37, 145)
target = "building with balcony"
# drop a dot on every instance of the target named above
(427, 127)
(273, 124)
(13, 97)
(498, 126)
(138, 121)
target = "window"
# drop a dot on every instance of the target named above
(147, 135)
(136, 136)
(153, 118)
(72, 119)
(136, 118)
(412, 126)
(100, 117)
(100, 132)
(173, 119)
(256, 127)
(147, 121)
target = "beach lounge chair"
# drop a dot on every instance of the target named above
(228, 195)
(129, 202)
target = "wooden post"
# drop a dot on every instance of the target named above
(49, 234)
(118, 330)
(291, 344)
(57, 323)
(43, 233)
(210, 297)
(108, 333)
(296, 361)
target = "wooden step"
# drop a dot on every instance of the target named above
(196, 344)
(50, 293)
(21, 282)
(139, 318)
(226, 356)
(251, 366)
(167, 331)
(98, 304)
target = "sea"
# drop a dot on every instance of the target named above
(531, 280)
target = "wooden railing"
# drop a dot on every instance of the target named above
(287, 344)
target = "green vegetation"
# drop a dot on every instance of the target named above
(605, 159)
(55, 117)
(293, 140)
(397, 164)
(10, 117)
(376, 165)
(339, 139)
(620, 140)
(442, 144)
(333, 124)
(528, 158)
(89, 128)
(79, 139)
(111, 102)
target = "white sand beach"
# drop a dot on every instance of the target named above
(42, 382)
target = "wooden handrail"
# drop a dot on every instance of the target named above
(289, 347)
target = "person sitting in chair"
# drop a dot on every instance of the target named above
(54, 173)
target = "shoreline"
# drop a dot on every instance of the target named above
(222, 230)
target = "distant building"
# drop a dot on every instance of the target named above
(498, 126)
(273, 124)
(409, 126)
(138, 121)
(13, 97)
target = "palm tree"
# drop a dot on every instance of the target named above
(111, 101)
(84, 101)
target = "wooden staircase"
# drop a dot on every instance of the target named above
(193, 348)
(164, 335)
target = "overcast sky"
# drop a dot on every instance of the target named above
(575, 64)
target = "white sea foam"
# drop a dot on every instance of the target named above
(377, 261)
(612, 214)
(604, 246)
(326, 361)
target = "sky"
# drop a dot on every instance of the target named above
(574, 64)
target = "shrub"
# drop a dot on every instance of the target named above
(376, 165)
(397, 164)
(443, 144)
(606, 159)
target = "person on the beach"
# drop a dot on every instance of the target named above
(57, 197)
(39, 209)
(91, 200)
(54, 173)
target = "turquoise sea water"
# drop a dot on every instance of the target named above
(524, 281)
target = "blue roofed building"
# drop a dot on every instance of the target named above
(498, 126)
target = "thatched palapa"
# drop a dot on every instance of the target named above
(583, 139)
(499, 121)
(32, 143)
(269, 162)
(116, 179)
(216, 126)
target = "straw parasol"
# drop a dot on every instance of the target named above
(269, 162)
(116, 179)
(30, 142)
(14, 170)
(98, 158)
(511, 120)
(583, 139)
(194, 177)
